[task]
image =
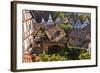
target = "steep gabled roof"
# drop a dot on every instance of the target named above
(55, 33)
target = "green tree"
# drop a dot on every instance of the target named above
(59, 14)
(66, 27)
(82, 17)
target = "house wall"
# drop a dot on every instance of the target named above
(27, 30)
(47, 45)
(75, 41)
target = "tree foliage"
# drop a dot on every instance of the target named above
(66, 26)
(59, 14)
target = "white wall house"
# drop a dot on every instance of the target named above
(78, 25)
(27, 30)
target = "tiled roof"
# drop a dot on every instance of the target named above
(81, 33)
(55, 33)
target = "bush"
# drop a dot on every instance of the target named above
(57, 57)
(65, 53)
(44, 57)
(85, 55)
(51, 57)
